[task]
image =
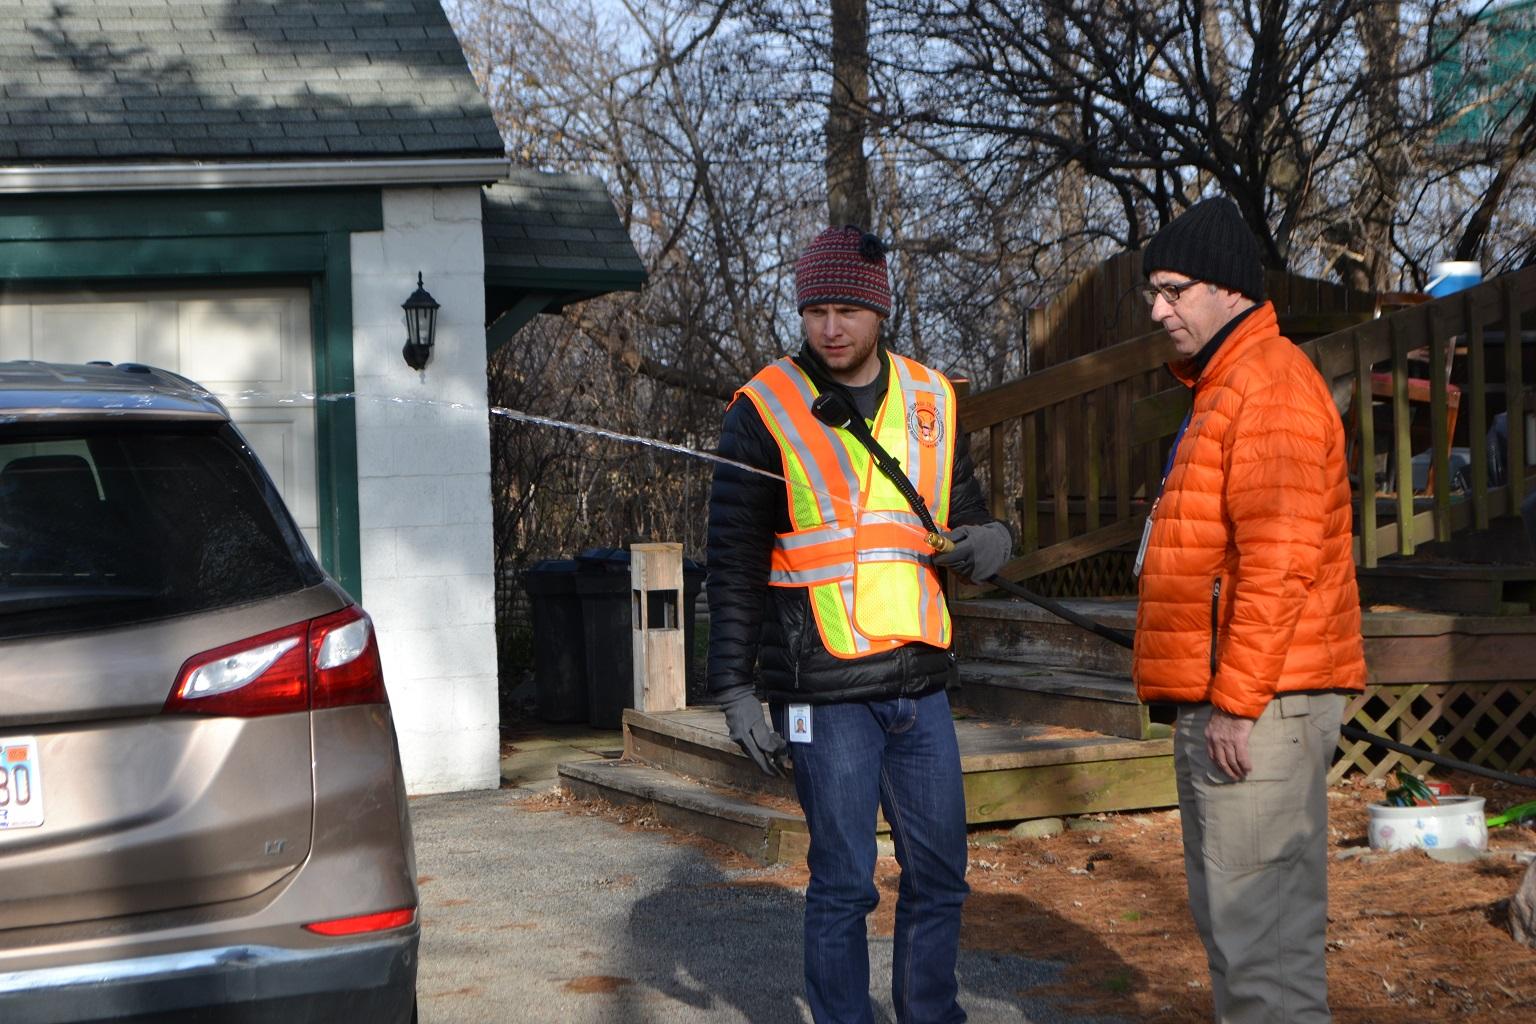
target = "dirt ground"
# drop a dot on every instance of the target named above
(1410, 939)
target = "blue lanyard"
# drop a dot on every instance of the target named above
(1172, 452)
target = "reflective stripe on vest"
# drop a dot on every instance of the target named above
(854, 542)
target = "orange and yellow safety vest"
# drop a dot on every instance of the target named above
(854, 541)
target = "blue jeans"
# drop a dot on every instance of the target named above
(899, 756)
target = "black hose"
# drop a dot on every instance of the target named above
(1060, 611)
(1356, 733)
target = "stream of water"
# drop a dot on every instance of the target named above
(517, 415)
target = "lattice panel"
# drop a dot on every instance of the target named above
(1106, 574)
(1489, 724)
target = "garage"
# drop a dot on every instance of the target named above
(251, 346)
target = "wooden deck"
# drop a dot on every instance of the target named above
(685, 766)
(1465, 684)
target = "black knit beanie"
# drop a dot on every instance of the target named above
(1209, 242)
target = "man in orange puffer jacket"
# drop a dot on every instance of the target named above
(1249, 618)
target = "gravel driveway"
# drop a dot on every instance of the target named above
(544, 916)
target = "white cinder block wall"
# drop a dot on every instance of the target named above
(424, 486)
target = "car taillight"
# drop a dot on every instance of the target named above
(322, 663)
(364, 922)
(345, 659)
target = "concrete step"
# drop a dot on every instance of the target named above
(999, 630)
(1048, 695)
(768, 834)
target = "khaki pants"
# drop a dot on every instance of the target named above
(1256, 858)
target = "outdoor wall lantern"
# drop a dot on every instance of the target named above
(420, 326)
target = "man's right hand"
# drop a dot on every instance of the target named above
(750, 729)
(978, 552)
(1226, 743)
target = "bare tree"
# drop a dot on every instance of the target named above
(847, 114)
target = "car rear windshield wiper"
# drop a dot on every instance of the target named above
(16, 600)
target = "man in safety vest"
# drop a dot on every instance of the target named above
(822, 564)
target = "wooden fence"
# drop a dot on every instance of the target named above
(1071, 454)
(1102, 306)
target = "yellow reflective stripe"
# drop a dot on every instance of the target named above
(810, 504)
(947, 447)
(850, 444)
(837, 631)
(861, 644)
(909, 388)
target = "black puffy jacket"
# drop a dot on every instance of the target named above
(747, 617)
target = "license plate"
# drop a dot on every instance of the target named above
(21, 783)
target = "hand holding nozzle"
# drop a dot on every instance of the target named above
(976, 552)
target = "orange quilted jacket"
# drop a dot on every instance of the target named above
(1248, 584)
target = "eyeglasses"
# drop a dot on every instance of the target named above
(1170, 292)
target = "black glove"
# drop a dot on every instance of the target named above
(979, 551)
(750, 729)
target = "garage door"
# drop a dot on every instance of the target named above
(249, 346)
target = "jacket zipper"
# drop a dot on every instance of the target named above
(1215, 620)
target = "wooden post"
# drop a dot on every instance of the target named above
(656, 623)
(1477, 415)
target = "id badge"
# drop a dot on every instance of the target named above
(1146, 535)
(799, 723)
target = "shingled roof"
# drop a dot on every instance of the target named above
(235, 80)
(554, 232)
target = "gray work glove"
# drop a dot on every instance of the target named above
(750, 729)
(979, 551)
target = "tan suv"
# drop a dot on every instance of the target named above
(202, 815)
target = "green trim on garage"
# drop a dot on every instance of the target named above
(100, 259)
(206, 237)
(184, 214)
(336, 430)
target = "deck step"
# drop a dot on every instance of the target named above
(1012, 771)
(767, 834)
(1047, 695)
(998, 630)
(1450, 587)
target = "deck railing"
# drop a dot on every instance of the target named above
(1070, 455)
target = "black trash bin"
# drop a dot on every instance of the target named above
(559, 647)
(602, 583)
(693, 586)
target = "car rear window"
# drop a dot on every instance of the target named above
(104, 526)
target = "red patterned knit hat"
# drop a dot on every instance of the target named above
(843, 265)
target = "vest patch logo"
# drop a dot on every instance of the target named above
(924, 424)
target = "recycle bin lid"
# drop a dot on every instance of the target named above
(617, 559)
(552, 565)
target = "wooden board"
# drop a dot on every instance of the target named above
(1070, 789)
(1048, 696)
(759, 832)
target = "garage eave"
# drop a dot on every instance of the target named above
(275, 174)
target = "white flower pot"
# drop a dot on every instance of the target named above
(1455, 821)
